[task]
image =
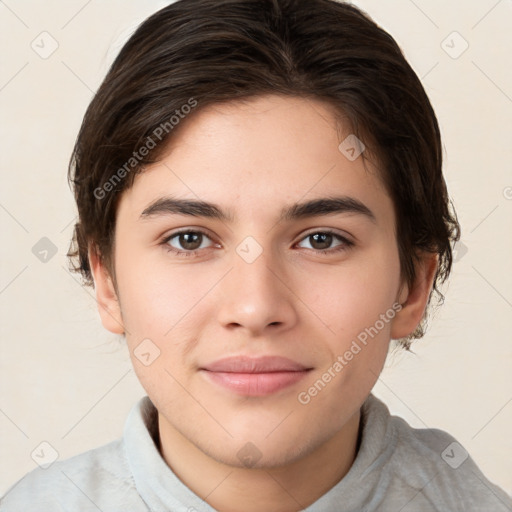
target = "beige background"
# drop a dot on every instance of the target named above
(67, 381)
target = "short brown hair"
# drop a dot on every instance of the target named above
(213, 51)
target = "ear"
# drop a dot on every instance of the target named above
(414, 299)
(106, 296)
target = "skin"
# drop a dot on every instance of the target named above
(253, 159)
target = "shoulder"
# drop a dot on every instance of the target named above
(437, 468)
(84, 482)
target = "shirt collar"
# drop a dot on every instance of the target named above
(162, 490)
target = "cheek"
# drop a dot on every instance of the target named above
(156, 297)
(351, 297)
(357, 307)
(163, 312)
(169, 305)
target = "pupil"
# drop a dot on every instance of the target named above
(186, 239)
(325, 239)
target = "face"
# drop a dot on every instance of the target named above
(259, 317)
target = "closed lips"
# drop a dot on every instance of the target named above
(255, 376)
(266, 364)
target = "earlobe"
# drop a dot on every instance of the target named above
(414, 298)
(106, 296)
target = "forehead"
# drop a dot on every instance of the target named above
(256, 156)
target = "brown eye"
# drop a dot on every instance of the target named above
(190, 241)
(322, 241)
(186, 242)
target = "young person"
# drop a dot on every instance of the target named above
(261, 210)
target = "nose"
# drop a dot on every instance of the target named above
(257, 296)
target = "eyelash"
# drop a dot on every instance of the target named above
(346, 244)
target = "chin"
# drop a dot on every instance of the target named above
(246, 450)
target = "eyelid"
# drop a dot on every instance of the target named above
(345, 242)
(168, 237)
(331, 231)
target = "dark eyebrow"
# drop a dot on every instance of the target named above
(312, 208)
(327, 206)
(170, 205)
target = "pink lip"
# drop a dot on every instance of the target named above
(258, 376)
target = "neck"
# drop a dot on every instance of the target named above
(287, 488)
